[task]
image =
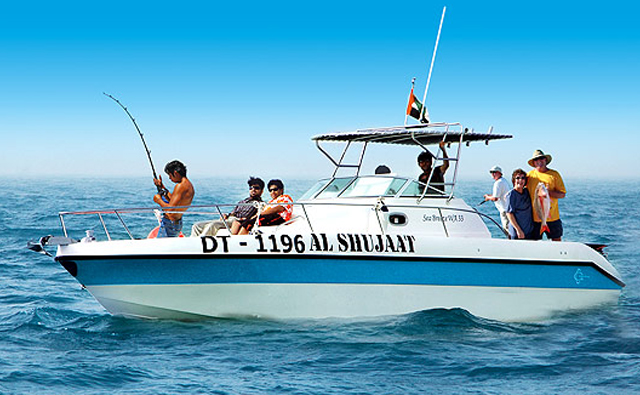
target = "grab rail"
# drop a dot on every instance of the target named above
(216, 209)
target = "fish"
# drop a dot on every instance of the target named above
(542, 205)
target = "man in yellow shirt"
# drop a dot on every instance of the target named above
(555, 186)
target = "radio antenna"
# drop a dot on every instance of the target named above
(433, 60)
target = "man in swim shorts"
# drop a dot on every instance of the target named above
(182, 196)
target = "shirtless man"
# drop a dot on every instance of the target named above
(182, 195)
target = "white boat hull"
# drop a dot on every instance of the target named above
(290, 301)
(340, 275)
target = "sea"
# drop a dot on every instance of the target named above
(56, 339)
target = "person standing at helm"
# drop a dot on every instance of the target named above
(425, 161)
(553, 181)
(498, 196)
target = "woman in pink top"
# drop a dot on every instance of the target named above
(278, 211)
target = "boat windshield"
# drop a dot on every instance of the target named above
(415, 189)
(334, 188)
(368, 186)
(359, 187)
(374, 186)
(314, 189)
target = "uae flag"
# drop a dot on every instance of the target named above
(415, 109)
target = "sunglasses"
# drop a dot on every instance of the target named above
(255, 187)
(273, 189)
(521, 178)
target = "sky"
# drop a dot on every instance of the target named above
(239, 88)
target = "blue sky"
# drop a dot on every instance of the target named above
(239, 89)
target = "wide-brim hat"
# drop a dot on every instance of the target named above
(537, 154)
(496, 169)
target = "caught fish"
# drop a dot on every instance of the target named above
(542, 205)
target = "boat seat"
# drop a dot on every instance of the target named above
(275, 228)
(223, 232)
(208, 231)
(294, 218)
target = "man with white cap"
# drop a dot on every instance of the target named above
(501, 188)
(555, 186)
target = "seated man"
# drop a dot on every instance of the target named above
(275, 213)
(245, 209)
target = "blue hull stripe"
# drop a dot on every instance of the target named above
(297, 269)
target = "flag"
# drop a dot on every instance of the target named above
(415, 109)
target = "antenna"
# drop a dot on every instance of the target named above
(433, 60)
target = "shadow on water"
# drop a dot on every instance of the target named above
(449, 321)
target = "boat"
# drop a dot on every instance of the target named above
(358, 245)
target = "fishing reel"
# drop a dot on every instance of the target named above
(164, 194)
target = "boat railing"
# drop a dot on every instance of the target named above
(218, 210)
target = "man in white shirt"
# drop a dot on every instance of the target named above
(500, 189)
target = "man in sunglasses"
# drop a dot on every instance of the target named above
(278, 211)
(246, 208)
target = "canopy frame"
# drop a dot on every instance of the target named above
(412, 135)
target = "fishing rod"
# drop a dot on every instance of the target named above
(162, 191)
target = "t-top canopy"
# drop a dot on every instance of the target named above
(411, 135)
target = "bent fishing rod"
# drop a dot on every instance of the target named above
(162, 191)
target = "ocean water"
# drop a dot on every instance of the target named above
(56, 339)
